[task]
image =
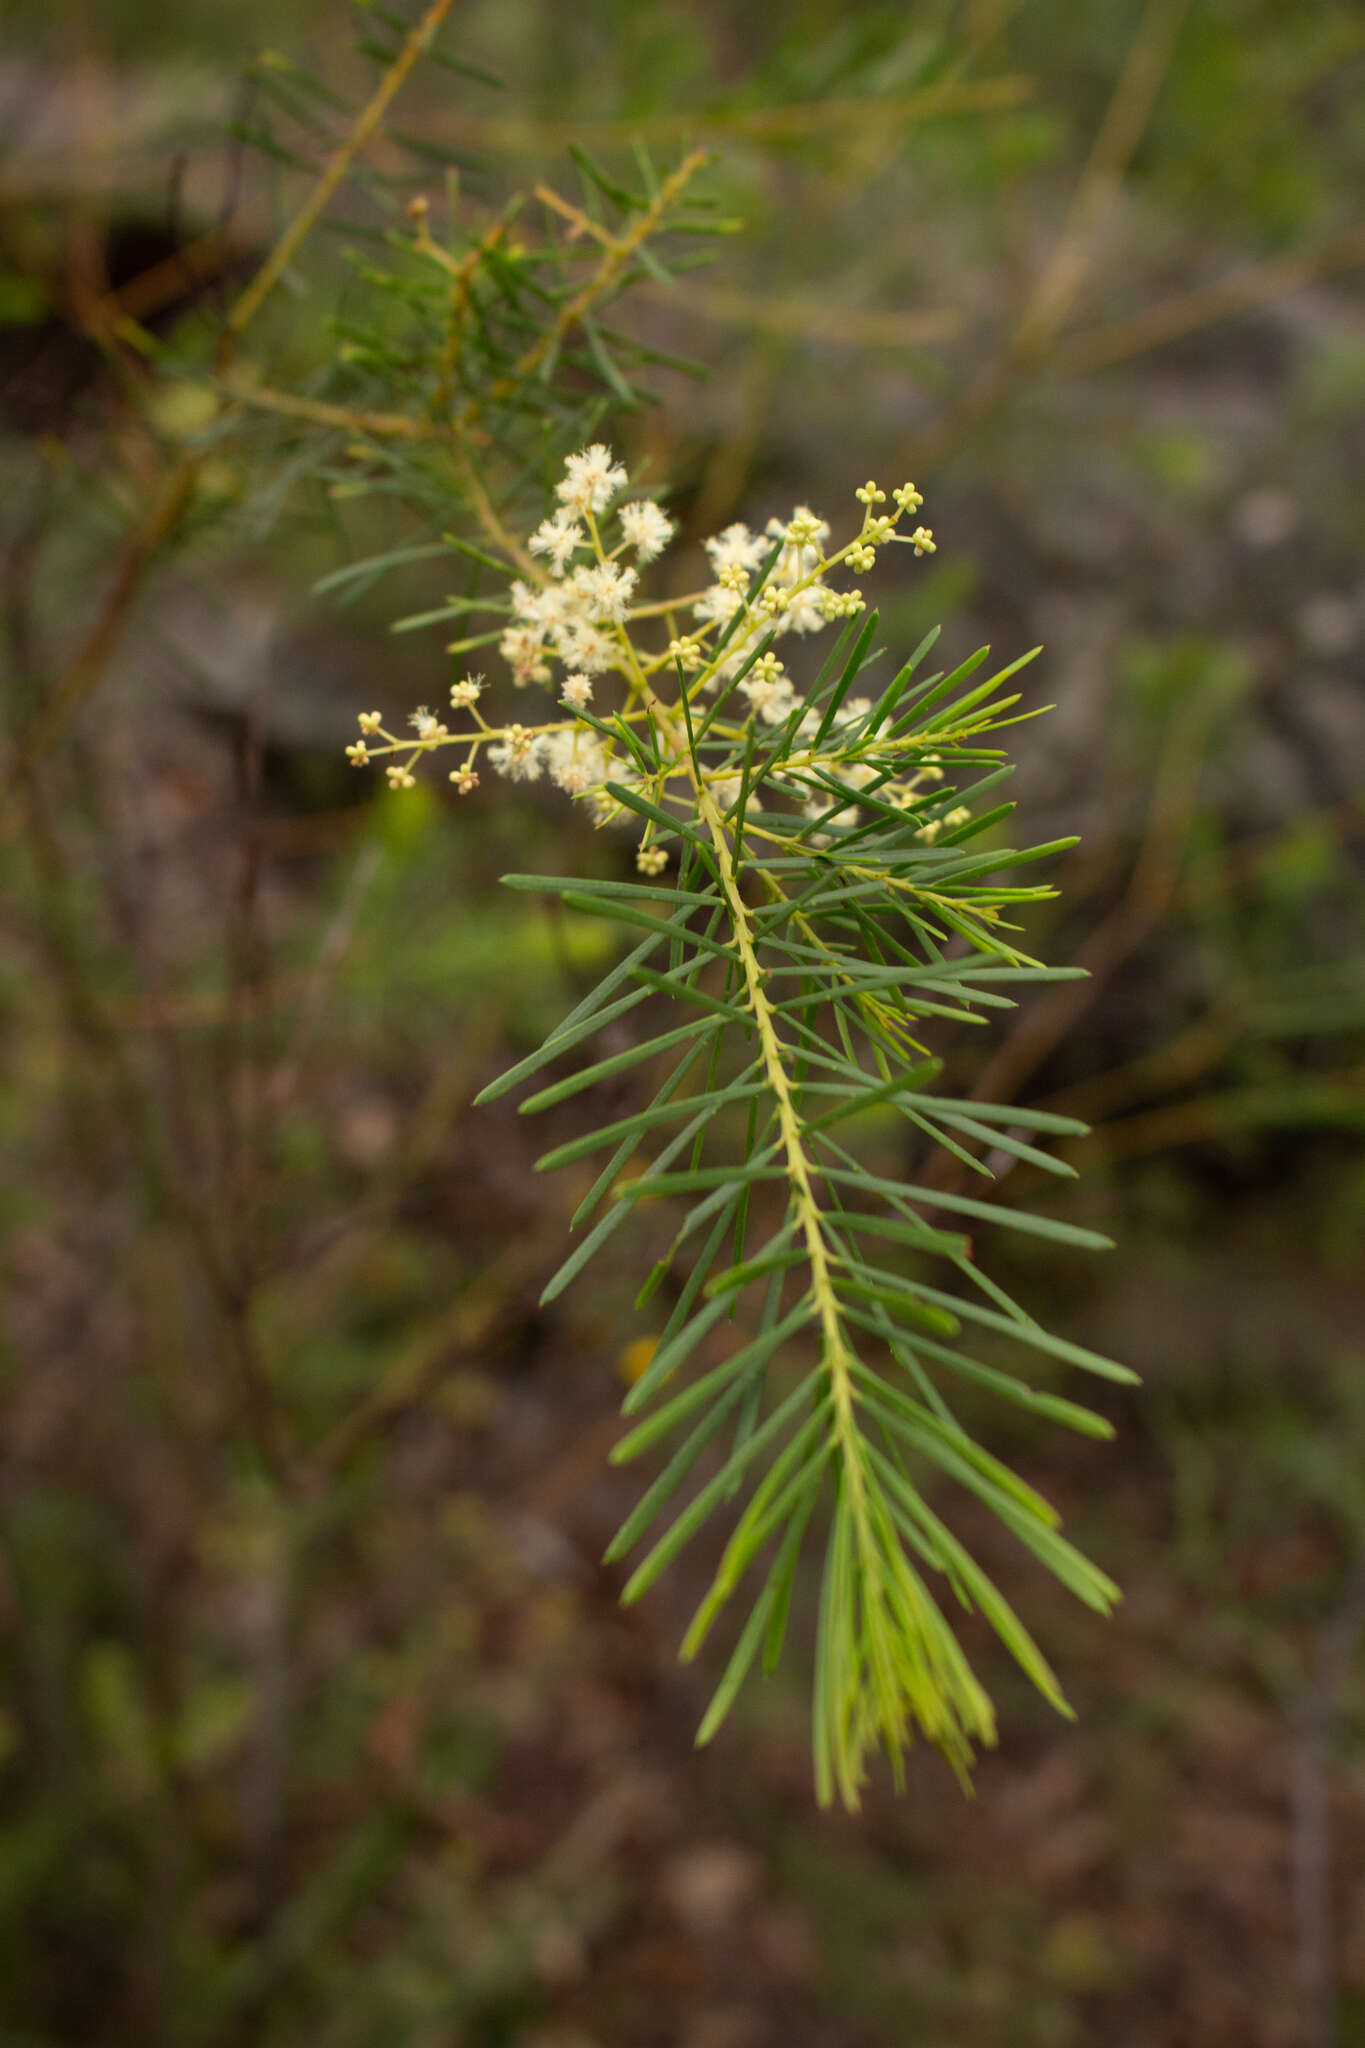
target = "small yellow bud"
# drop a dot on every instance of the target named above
(687, 655)
(634, 1359)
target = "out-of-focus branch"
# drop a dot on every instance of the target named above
(597, 286)
(757, 124)
(363, 129)
(1053, 296)
(81, 674)
(1099, 348)
(84, 669)
(391, 426)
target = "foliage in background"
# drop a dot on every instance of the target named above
(252, 1781)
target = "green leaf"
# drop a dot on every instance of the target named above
(695, 1514)
(669, 1357)
(646, 1120)
(617, 1063)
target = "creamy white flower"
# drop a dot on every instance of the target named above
(576, 761)
(466, 693)
(645, 528)
(717, 605)
(523, 649)
(803, 612)
(651, 860)
(771, 695)
(736, 547)
(519, 755)
(425, 725)
(591, 480)
(558, 537)
(577, 691)
(548, 607)
(565, 606)
(800, 557)
(586, 648)
(605, 591)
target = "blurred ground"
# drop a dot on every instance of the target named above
(319, 1720)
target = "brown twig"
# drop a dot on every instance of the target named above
(1100, 348)
(462, 273)
(83, 671)
(390, 426)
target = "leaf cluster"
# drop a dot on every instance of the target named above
(821, 1313)
(476, 337)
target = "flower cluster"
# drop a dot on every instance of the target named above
(575, 618)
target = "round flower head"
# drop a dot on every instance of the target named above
(606, 591)
(591, 480)
(519, 755)
(558, 537)
(576, 761)
(645, 528)
(736, 548)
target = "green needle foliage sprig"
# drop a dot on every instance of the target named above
(827, 905)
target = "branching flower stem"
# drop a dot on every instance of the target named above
(827, 872)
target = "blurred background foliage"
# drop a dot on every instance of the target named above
(318, 1721)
